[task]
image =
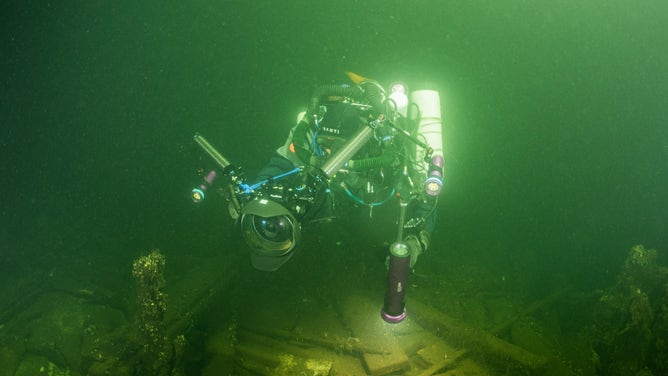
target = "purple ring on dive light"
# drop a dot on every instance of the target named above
(393, 319)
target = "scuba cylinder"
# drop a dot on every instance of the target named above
(430, 124)
(430, 130)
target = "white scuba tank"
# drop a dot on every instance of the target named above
(430, 131)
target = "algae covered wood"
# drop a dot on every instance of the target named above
(362, 315)
(464, 336)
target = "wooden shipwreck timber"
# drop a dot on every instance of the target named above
(210, 323)
(355, 341)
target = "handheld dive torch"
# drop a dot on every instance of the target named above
(198, 194)
(394, 307)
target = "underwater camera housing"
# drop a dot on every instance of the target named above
(271, 231)
(362, 143)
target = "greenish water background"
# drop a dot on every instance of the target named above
(555, 120)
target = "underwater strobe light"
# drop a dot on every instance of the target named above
(394, 310)
(434, 183)
(198, 194)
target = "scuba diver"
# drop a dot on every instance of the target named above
(355, 143)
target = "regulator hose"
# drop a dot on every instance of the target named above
(375, 95)
(369, 163)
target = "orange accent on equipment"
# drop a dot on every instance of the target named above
(356, 78)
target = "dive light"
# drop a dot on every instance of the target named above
(399, 94)
(434, 183)
(394, 307)
(198, 194)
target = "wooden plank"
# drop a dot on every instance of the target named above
(320, 350)
(336, 344)
(444, 362)
(362, 314)
(435, 352)
(382, 364)
(464, 336)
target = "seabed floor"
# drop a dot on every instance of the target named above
(318, 315)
